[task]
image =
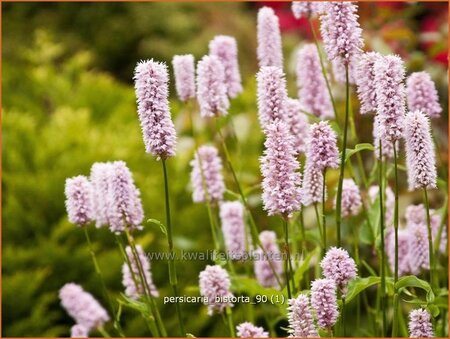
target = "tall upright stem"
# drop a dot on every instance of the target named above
(383, 255)
(342, 165)
(324, 219)
(230, 321)
(430, 239)
(396, 297)
(288, 264)
(172, 268)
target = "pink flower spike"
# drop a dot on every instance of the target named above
(390, 93)
(272, 95)
(351, 198)
(420, 324)
(365, 81)
(340, 31)
(79, 200)
(132, 289)
(304, 9)
(211, 88)
(101, 175)
(225, 49)
(79, 331)
(215, 286)
(422, 95)
(233, 229)
(184, 71)
(298, 124)
(301, 321)
(322, 148)
(263, 270)
(82, 306)
(248, 330)
(312, 184)
(338, 266)
(312, 88)
(211, 178)
(269, 49)
(152, 91)
(279, 167)
(324, 302)
(420, 155)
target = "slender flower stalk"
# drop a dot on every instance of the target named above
(382, 248)
(225, 49)
(269, 51)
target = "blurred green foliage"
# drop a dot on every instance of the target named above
(68, 102)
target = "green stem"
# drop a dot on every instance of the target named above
(172, 267)
(396, 299)
(230, 322)
(343, 316)
(288, 264)
(342, 165)
(304, 245)
(324, 219)
(103, 332)
(382, 266)
(322, 245)
(430, 239)
(324, 72)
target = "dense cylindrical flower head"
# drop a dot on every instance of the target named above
(340, 31)
(279, 167)
(420, 324)
(421, 94)
(301, 322)
(262, 265)
(387, 147)
(79, 200)
(298, 124)
(152, 91)
(322, 147)
(125, 208)
(312, 184)
(82, 306)
(237, 240)
(79, 331)
(100, 177)
(403, 250)
(248, 330)
(304, 9)
(338, 266)
(207, 172)
(389, 202)
(420, 158)
(324, 302)
(390, 95)
(351, 198)
(184, 71)
(225, 49)
(215, 286)
(419, 257)
(211, 88)
(365, 81)
(312, 88)
(272, 95)
(269, 50)
(136, 289)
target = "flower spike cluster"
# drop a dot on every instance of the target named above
(365, 81)
(233, 229)
(215, 283)
(312, 184)
(304, 9)
(351, 198)
(301, 322)
(207, 173)
(322, 148)
(79, 200)
(340, 31)
(419, 152)
(312, 88)
(211, 88)
(100, 177)
(421, 94)
(152, 91)
(225, 49)
(298, 124)
(248, 330)
(324, 302)
(279, 167)
(269, 49)
(184, 71)
(420, 324)
(263, 270)
(338, 266)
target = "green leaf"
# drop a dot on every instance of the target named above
(358, 148)
(358, 285)
(413, 281)
(160, 224)
(133, 304)
(434, 310)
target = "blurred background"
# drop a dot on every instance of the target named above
(68, 101)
